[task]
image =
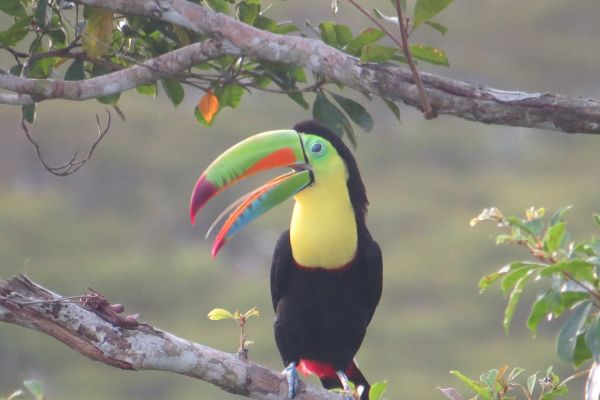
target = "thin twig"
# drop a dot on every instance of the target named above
(71, 166)
(590, 291)
(379, 24)
(427, 110)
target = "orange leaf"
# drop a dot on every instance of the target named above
(208, 106)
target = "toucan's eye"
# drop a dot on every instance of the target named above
(317, 148)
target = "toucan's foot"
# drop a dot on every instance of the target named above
(350, 392)
(292, 379)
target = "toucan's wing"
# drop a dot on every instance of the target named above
(280, 267)
(374, 274)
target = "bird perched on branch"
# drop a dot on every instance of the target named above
(326, 273)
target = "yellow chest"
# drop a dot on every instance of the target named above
(323, 231)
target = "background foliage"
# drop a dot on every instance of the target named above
(120, 224)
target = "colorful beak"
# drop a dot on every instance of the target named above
(260, 152)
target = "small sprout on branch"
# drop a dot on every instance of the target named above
(221, 313)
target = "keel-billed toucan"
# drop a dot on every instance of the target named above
(326, 274)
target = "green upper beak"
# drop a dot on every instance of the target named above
(264, 151)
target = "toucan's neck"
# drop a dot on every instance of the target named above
(323, 231)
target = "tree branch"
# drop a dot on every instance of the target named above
(447, 96)
(166, 65)
(122, 342)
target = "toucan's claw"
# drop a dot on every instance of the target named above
(350, 392)
(292, 379)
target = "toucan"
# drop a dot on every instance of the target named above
(326, 273)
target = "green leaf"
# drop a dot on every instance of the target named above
(582, 353)
(567, 337)
(539, 310)
(477, 387)
(298, 97)
(349, 131)
(328, 114)
(285, 28)
(577, 267)
(367, 36)
(75, 71)
(531, 381)
(377, 390)
(174, 90)
(437, 26)
(231, 96)
(13, 7)
(393, 108)
(110, 99)
(516, 371)
(41, 68)
(16, 70)
(219, 5)
(148, 90)
(429, 54)
(219, 314)
(28, 113)
(327, 30)
(427, 9)
(511, 278)
(489, 378)
(513, 300)
(16, 32)
(355, 111)
(36, 388)
(253, 312)
(592, 338)
(343, 34)
(248, 12)
(556, 392)
(376, 53)
(554, 237)
(266, 24)
(559, 214)
(533, 227)
(59, 38)
(487, 280)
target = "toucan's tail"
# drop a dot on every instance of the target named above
(354, 374)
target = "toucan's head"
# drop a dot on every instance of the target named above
(310, 150)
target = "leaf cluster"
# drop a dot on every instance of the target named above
(74, 42)
(567, 270)
(499, 384)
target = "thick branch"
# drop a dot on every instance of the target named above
(133, 346)
(447, 96)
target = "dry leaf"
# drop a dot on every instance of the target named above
(208, 106)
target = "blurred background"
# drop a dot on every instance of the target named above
(120, 225)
